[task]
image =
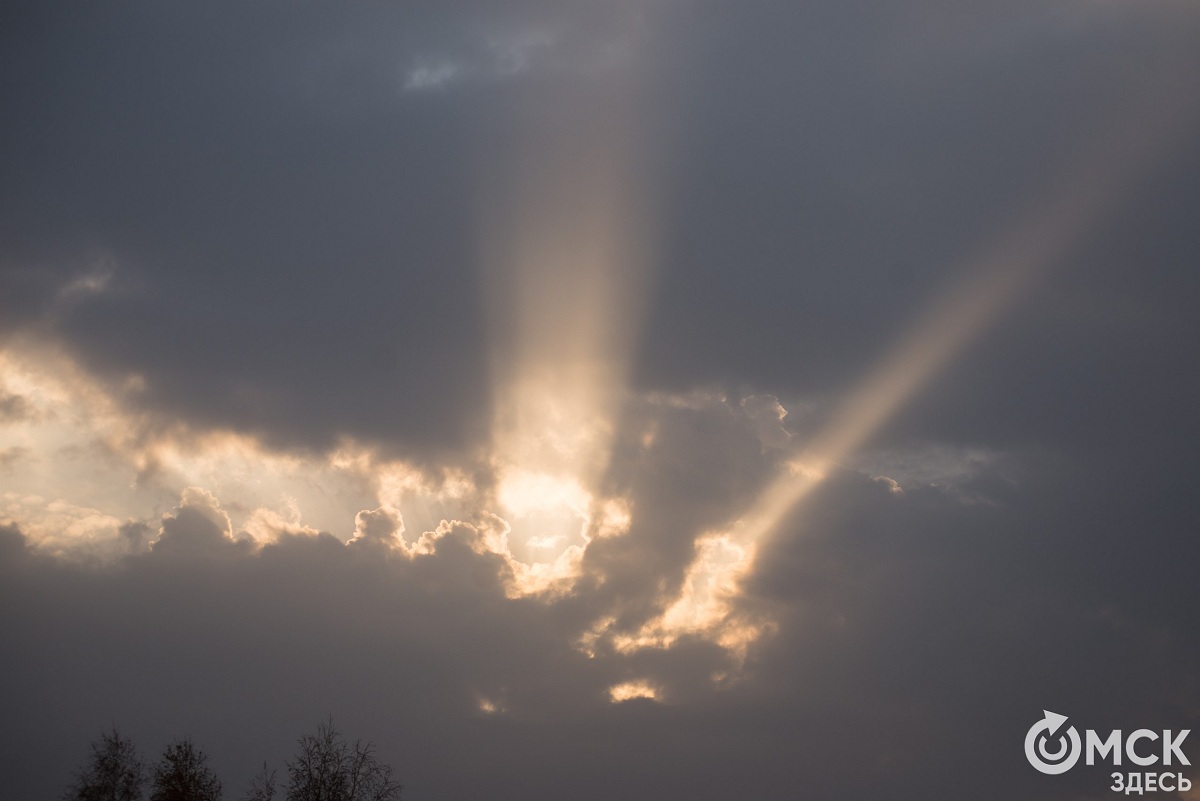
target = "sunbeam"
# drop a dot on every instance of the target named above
(578, 399)
(1006, 270)
(566, 261)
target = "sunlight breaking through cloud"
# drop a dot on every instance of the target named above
(567, 251)
(566, 260)
(990, 284)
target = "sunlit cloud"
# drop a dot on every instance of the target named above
(705, 606)
(489, 707)
(632, 690)
(80, 452)
(63, 528)
(85, 476)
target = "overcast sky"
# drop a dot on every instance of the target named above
(593, 400)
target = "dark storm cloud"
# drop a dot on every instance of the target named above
(932, 610)
(271, 219)
(309, 623)
(919, 633)
(294, 234)
(199, 529)
(298, 230)
(843, 167)
(295, 225)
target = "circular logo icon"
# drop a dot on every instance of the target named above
(1060, 759)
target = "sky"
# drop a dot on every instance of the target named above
(579, 400)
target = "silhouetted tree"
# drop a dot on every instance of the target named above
(262, 786)
(327, 768)
(115, 772)
(183, 775)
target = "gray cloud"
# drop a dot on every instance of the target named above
(918, 632)
(294, 225)
(14, 408)
(233, 219)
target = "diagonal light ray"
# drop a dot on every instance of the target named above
(993, 282)
(1004, 271)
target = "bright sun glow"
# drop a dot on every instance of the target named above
(548, 513)
(566, 264)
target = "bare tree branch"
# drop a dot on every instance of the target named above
(327, 768)
(115, 773)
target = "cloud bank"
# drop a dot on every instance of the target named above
(441, 368)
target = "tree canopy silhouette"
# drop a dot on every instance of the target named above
(262, 786)
(182, 774)
(115, 772)
(327, 768)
